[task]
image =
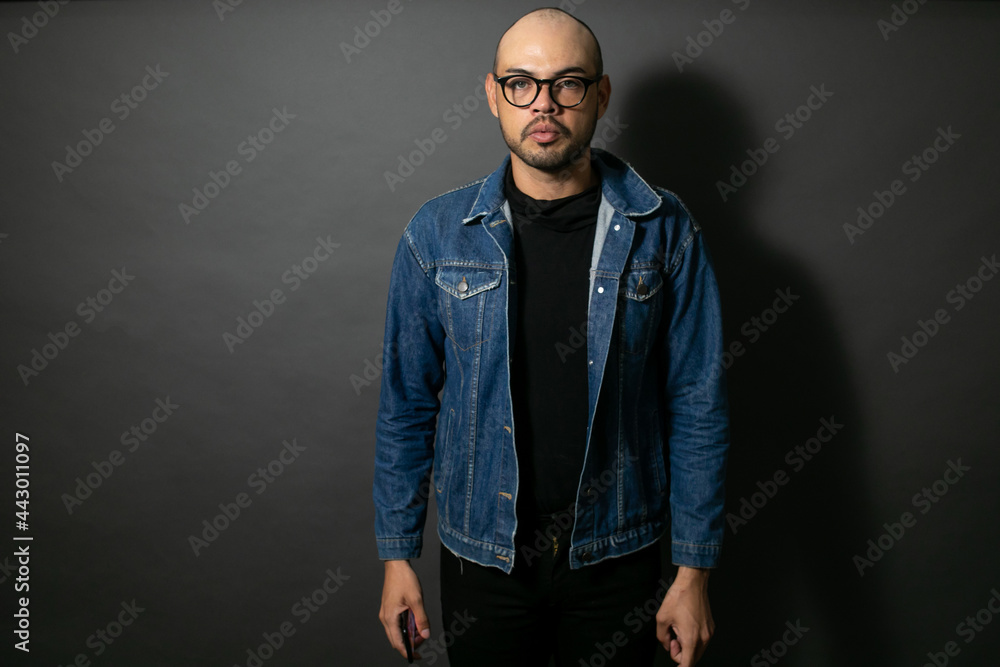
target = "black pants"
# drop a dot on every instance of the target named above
(597, 616)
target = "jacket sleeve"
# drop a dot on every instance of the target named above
(696, 401)
(412, 376)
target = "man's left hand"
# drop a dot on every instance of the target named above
(684, 622)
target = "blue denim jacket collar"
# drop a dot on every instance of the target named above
(622, 187)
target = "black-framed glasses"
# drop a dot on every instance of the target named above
(520, 90)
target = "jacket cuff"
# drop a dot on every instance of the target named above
(396, 548)
(695, 555)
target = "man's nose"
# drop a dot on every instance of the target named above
(544, 102)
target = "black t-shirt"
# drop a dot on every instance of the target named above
(553, 246)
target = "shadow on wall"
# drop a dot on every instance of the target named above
(787, 555)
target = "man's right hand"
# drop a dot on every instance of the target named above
(401, 591)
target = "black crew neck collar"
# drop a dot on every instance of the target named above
(585, 202)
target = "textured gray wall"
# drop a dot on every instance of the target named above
(330, 123)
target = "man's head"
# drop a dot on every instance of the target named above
(545, 44)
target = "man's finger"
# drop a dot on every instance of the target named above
(393, 633)
(691, 648)
(422, 624)
(675, 650)
(420, 617)
(663, 632)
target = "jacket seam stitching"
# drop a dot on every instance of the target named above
(411, 244)
(697, 544)
(681, 250)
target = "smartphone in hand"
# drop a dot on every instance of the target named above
(408, 626)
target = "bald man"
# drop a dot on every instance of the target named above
(555, 384)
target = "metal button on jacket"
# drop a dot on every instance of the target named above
(463, 286)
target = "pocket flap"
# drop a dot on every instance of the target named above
(463, 281)
(640, 284)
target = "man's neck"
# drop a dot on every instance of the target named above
(543, 185)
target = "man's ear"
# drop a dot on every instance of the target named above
(491, 93)
(603, 94)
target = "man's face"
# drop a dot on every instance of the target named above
(544, 135)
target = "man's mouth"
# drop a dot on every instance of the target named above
(544, 137)
(544, 133)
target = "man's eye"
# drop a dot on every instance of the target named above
(568, 84)
(518, 84)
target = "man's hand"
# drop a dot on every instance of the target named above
(685, 613)
(401, 591)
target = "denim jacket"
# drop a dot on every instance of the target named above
(657, 438)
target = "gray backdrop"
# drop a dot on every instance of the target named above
(170, 168)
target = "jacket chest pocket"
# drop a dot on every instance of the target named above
(469, 299)
(641, 303)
